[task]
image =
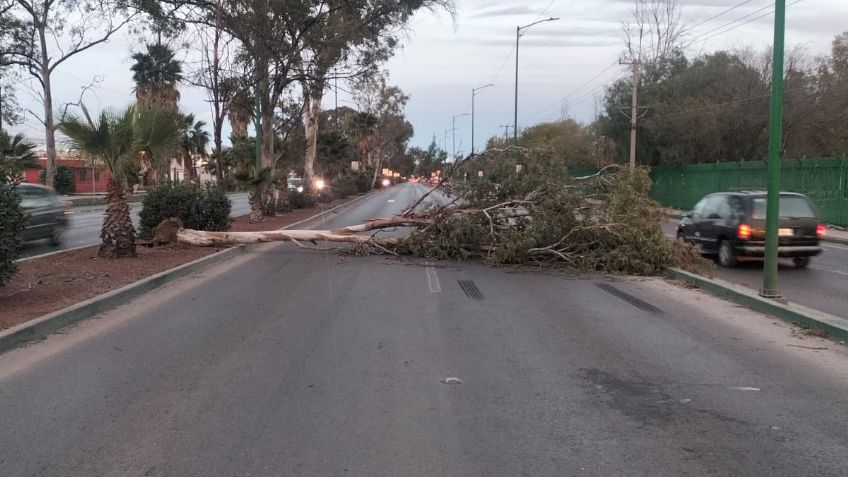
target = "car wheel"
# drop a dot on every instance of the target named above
(56, 238)
(801, 262)
(726, 255)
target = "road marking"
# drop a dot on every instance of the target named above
(390, 201)
(838, 272)
(432, 279)
(745, 388)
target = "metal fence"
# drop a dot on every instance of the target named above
(825, 181)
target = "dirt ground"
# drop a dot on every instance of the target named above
(44, 285)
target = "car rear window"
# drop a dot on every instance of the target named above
(790, 207)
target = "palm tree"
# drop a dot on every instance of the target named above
(119, 140)
(16, 155)
(240, 111)
(256, 181)
(157, 74)
(194, 143)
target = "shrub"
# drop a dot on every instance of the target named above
(64, 179)
(199, 207)
(363, 183)
(13, 220)
(345, 186)
(301, 200)
(64, 183)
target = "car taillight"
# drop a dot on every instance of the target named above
(821, 230)
(743, 232)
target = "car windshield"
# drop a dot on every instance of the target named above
(790, 207)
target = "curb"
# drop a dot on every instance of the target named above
(41, 327)
(57, 252)
(834, 326)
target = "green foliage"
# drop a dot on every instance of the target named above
(301, 200)
(13, 221)
(203, 207)
(64, 181)
(16, 155)
(607, 223)
(116, 137)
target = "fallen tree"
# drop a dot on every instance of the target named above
(535, 213)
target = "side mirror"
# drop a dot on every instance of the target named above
(714, 217)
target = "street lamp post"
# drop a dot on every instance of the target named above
(518, 37)
(473, 94)
(453, 129)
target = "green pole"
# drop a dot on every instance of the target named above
(517, 38)
(775, 152)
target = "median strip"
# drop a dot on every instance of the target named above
(833, 326)
(41, 327)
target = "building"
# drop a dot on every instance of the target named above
(87, 179)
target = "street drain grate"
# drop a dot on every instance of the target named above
(642, 305)
(471, 290)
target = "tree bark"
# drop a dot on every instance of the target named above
(310, 123)
(49, 126)
(118, 233)
(170, 231)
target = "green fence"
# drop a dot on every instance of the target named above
(823, 180)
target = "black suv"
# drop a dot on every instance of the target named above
(46, 214)
(732, 226)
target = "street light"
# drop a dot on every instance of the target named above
(518, 37)
(453, 128)
(473, 94)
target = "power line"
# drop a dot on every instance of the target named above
(734, 24)
(575, 91)
(770, 12)
(722, 13)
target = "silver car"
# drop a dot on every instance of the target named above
(46, 213)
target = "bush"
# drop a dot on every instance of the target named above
(301, 200)
(64, 183)
(199, 207)
(64, 179)
(363, 183)
(13, 220)
(345, 186)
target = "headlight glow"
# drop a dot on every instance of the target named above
(386, 182)
(300, 189)
(319, 184)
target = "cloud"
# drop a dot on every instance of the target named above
(504, 12)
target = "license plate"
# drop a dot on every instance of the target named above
(786, 233)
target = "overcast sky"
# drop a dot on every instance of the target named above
(444, 58)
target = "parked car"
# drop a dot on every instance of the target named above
(731, 226)
(47, 214)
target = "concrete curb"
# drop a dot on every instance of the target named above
(40, 328)
(57, 252)
(834, 326)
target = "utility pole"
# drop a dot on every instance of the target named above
(453, 129)
(506, 130)
(769, 289)
(517, 38)
(634, 109)
(473, 94)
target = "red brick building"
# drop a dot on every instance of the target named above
(87, 179)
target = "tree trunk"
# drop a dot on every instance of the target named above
(310, 123)
(170, 231)
(377, 170)
(256, 212)
(49, 126)
(218, 152)
(118, 233)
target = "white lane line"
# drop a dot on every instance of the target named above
(390, 201)
(838, 272)
(432, 278)
(745, 388)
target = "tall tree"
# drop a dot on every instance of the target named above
(194, 144)
(156, 74)
(115, 138)
(41, 35)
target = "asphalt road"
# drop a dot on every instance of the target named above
(821, 286)
(288, 362)
(85, 223)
